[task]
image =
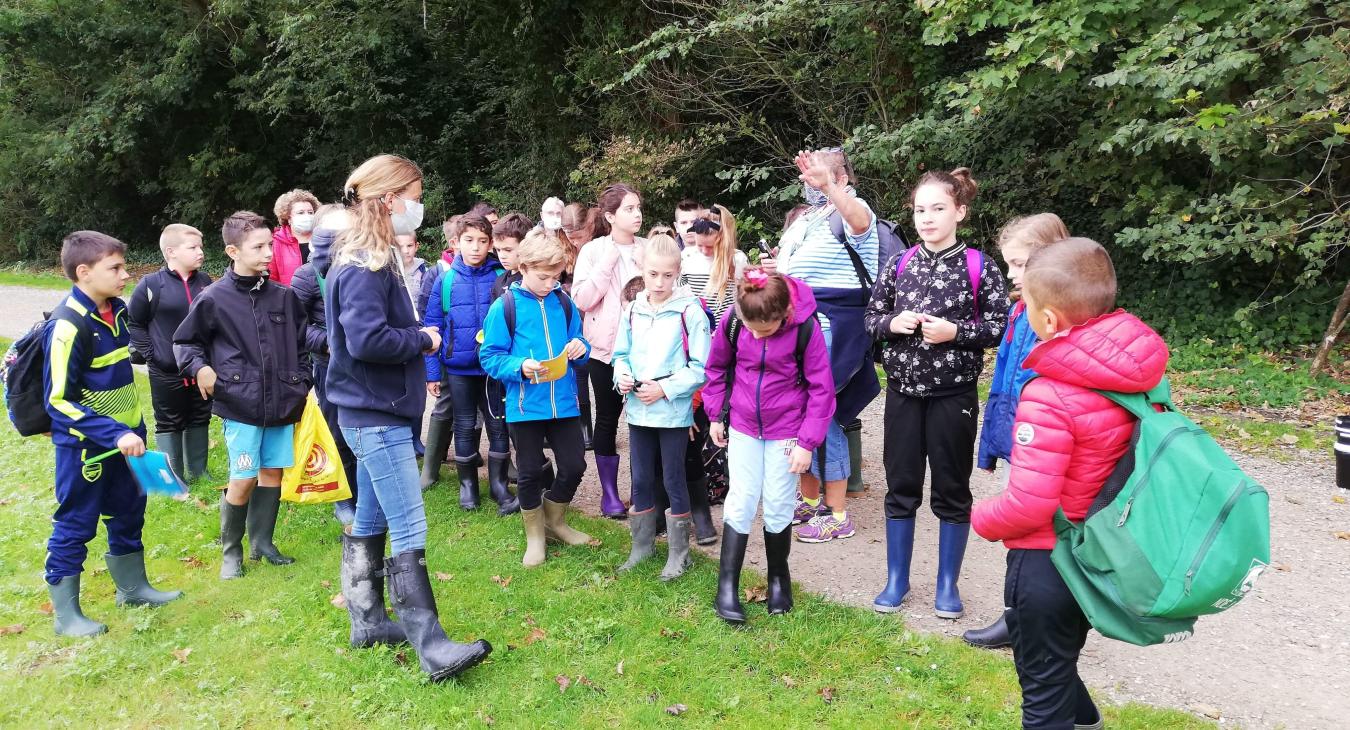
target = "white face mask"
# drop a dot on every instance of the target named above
(410, 219)
(552, 222)
(303, 222)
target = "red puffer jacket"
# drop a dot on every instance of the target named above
(1066, 438)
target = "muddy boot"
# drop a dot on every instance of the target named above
(610, 504)
(556, 527)
(993, 636)
(70, 620)
(705, 533)
(777, 546)
(507, 504)
(263, 506)
(535, 549)
(438, 440)
(410, 589)
(232, 519)
(133, 587)
(677, 535)
(728, 601)
(196, 448)
(171, 444)
(363, 588)
(951, 550)
(468, 486)
(642, 525)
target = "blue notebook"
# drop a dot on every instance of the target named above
(153, 472)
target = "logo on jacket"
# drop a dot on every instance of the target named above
(1025, 433)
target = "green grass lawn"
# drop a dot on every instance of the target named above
(23, 276)
(576, 646)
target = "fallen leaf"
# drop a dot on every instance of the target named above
(503, 582)
(563, 682)
(326, 583)
(536, 634)
(594, 542)
(756, 594)
(182, 655)
(1209, 711)
(1282, 567)
(1338, 499)
(586, 682)
(201, 503)
(401, 656)
(6, 502)
(1242, 433)
(338, 600)
(827, 694)
(449, 576)
(1289, 439)
(193, 561)
(672, 633)
(619, 669)
(787, 681)
(46, 608)
(487, 720)
(18, 629)
(676, 710)
(1339, 536)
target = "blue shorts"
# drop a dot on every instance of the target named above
(256, 447)
(837, 466)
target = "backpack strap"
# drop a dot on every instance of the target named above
(447, 281)
(509, 309)
(729, 378)
(1141, 405)
(905, 258)
(323, 285)
(799, 352)
(974, 269)
(859, 268)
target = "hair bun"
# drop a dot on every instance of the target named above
(968, 186)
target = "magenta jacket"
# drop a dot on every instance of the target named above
(769, 399)
(286, 256)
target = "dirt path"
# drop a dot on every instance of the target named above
(1279, 659)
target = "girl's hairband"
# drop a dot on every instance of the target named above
(757, 278)
(349, 197)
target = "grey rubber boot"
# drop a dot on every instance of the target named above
(196, 447)
(677, 536)
(133, 587)
(70, 620)
(171, 444)
(363, 587)
(439, 434)
(232, 520)
(642, 525)
(410, 589)
(263, 506)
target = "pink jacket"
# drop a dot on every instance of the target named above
(769, 400)
(1067, 438)
(285, 256)
(599, 294)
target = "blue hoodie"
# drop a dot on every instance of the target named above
(1006, 388)
(542, 331)
(651, 346)
(460, 322)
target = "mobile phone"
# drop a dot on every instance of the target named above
(765, 248)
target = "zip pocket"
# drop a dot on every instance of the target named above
(1148, 470)
(1243, 488)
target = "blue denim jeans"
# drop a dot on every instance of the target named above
(387, 483)
(471, 398)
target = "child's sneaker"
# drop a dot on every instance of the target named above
(824, 528)
(805, 512)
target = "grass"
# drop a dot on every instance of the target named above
(576, 646)
(20, 275)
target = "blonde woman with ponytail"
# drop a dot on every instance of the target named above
(375, 378)
(711, 266)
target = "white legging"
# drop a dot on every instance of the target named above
(759, 470)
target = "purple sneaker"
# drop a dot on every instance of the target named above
(805, 512)
(824, 528)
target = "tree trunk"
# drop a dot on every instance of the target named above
(1319, 362)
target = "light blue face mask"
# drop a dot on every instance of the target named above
(409, 220)
(814, 196)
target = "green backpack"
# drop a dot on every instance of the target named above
(1177, 532)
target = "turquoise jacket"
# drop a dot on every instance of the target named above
(668, 344)
(542, 331)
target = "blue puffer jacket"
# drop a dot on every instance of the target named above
(542, 331)
(1006, 388)
(460, 322)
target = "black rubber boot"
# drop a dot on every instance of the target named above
(587, 428)
(171, 444)
(705, 533)
(993, 636)
(468, 485)
(777, 546)
(133, 587)
(410, 589)
(363, 587)
(263, 506)
(728, 601)
(70, 620)
(507, 504)
(196, 447)
(232, 519)
(439, 434)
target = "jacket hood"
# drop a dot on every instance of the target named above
(1115, 352)
(803, 301)
(463, 267)
(321, 249)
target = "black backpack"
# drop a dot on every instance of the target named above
(733, 333)
(21, 373)
(890, 241)
(509, 309)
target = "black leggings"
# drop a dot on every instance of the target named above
(608, 407)
(569, 453)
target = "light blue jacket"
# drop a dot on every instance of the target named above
(653, 344)
(542, 331)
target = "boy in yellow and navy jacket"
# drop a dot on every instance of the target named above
(95, 412)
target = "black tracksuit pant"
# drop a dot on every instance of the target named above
(937, 432)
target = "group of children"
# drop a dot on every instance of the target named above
(705, 346)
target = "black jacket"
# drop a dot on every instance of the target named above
(158, 305)
(251, 331)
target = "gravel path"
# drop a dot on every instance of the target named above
(1281, 658)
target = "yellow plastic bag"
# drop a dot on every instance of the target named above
(317, 476)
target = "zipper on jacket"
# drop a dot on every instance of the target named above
(548, 343)
(759, 387)
(1242, 489)
(257, 335)
(1143, 482)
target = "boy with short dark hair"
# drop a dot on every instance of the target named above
(686, 212)
(244, 342)
(156, 308)
(91, 398)
(506, 237)
(1067, 439)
